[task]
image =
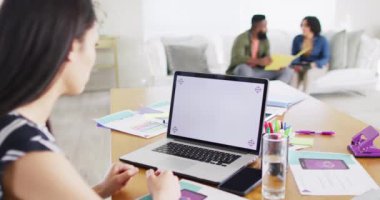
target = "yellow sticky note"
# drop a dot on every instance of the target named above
(302, 141)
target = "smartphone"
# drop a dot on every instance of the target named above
(242, 182)
(320, 164)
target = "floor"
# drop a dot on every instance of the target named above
(85, 145)
(88, 146)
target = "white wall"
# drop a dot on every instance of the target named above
(229, 17)
(125, 20)
(360, 15)
(135, 21)
(287, 15)
(187, 17)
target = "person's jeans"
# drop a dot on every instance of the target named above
(284, 74)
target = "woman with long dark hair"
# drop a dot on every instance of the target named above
(316, 58)
(47, 49)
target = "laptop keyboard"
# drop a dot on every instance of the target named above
(197, 153)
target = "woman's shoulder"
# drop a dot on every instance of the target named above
(18, 136)
(298, 37)
(322, 38)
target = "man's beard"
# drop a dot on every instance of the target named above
(262, 35)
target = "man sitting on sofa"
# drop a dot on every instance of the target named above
(250, 54)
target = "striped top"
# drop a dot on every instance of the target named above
(19, 136)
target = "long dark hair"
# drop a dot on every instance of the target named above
(35, 38)
(314, 24)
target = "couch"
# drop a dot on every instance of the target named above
(353, 67)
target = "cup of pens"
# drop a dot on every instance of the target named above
(275, 147)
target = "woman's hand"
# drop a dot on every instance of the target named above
(265, 61)
(313, 65)
(117, 178)
(297, 68)
(163, 185)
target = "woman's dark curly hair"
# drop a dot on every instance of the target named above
(314, 24)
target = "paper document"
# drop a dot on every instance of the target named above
(282, 95)
(280, 61)
(369, 195)
(146, 122)
(319, 173)
(194, 191)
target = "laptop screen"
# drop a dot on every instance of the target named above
(217, 110)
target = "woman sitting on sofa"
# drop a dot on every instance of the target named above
(314, 62)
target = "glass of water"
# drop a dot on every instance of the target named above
(275, 147)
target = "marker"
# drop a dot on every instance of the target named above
(309, 132)
(287, 131)
(275, 126)
(278, 125)
(270, 127)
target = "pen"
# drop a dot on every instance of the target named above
(270, 127)
(287, 131)
(309, 132)
(275, 126)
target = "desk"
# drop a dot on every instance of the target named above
(310, 113)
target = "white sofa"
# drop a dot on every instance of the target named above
(358, 74)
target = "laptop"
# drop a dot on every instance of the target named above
(214, 129)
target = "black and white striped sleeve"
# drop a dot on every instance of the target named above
(21, 137)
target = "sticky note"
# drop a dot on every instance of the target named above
(302, 141)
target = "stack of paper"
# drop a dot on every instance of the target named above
(194, 191)
(146, 122)
(282, 95)
(318, 173)
(271, 112)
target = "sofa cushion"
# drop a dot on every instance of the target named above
(155, 57)
(369, 53)
(210, 52)
(346, 78)
(338, 48)
(186, 58)
(353, 44)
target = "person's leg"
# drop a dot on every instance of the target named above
(312, 75)
(285, 75)
(296, 80)
(243, 70)
(254, 72)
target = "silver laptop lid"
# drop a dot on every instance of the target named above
(227, 111)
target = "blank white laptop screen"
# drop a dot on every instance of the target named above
(219, 111)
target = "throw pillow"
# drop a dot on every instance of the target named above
(353, 45)
(186, 58)
(338, 49)
(366, 52)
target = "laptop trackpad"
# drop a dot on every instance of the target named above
(174, 164)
